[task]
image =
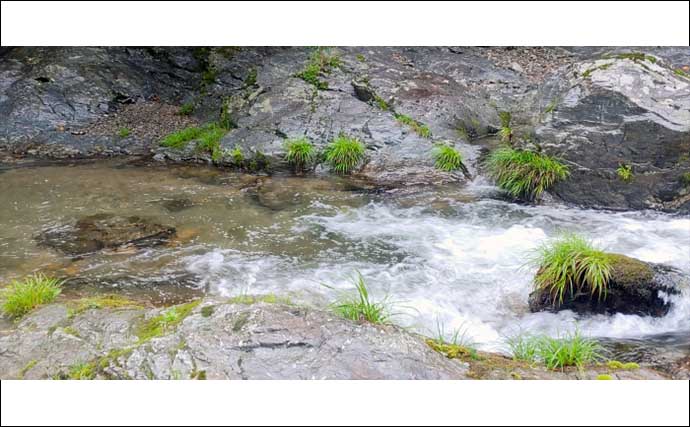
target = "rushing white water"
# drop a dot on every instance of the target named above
(463, 268)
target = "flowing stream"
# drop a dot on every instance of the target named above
(447, 258)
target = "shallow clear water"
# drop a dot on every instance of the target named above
(444, 256)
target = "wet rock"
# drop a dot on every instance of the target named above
(177, 204)
(620, 109)
(106, 231)
(635, 287)
(222, 340)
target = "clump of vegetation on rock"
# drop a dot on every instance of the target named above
(625, 172)
(459, 346)
(571, 265)
(447, 158)
(360, 307)
(524, 174)
(300, 153)
(506, 130)
(123, 132)
(109, 301)
(21, 297)
(82, 371)
(320, 62)
(164, 322)
(617, 365)
(186, 109)
(255, 299)
(572, 349)
(418, 127)
(685, 179)
(208, 139)
(344, 154)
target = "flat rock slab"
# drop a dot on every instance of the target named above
(223, 340)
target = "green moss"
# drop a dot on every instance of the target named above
(681, 73)
(625, 173)
(71, 331)
(635, 56)
(604, 377)
(321, 62)
(418, 127)
(165, 322)
(209, 75)
(109, 301)
(626, 271)
(237, 156)
(21, 297)
(381, 103)
(254, 299)
(685, 179)
(186, 109)
(123, 132)
(250, 80)
(617, 365)
(524, 174)
(199, 375)
(453, 351)
(207, 311)
(589, 71)
(29, 366)
(360, 57)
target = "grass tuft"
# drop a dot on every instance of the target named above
(625, 173)
(82, 371)
(506, 131)
(186, 109)
(524, 174)
(208, 139)
(21, 297)
(447, 158)
(344, 154)
(123, 132)
(556, 353)
(570, 265)
(300, 153)
(360, 307)
(320, 62)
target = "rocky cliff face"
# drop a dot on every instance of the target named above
(599, 109)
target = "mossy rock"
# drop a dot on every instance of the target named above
(634, 288)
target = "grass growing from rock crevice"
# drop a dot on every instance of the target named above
(418, 127)
(166, 321)
(300, 153)
(570, 265)
(344, 154)
(506, 131)
(359, 307)
(321, 62)
(447, 158)
(625, 173)
(524, 174)
(572, 349)
(21, 297)
(100, 302)
(208, 139)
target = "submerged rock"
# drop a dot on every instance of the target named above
(635, 287)
(106, 231)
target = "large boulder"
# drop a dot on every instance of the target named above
(635, 287)
(621, 109)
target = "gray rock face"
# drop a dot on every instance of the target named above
(616, 111)
(223, 340)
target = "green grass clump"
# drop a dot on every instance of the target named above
(123, 132)
(100, 302)
(524, 174)
(447, 158)
(20, 297)
(418, 127)
(556, 353)
(180, 138)
(360, 308)
(82, 371)
(604, 377)
(506, 131)
(320, 62)
(685, 179)
(681, 73)
(570, 265)
(381, 103)
(616, 365)
(625, 173)
(255, 299)
(344, 154)
(459, 346)
(208, 139)
(186, 109)
(164, 322)
(360, 57)
(300, 153)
